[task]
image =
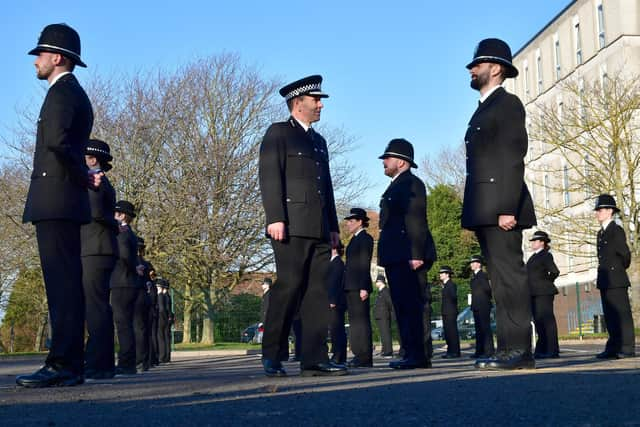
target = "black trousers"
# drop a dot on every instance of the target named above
(164, 338)
(451, 334)
(484, 336)
(617, 315)
(545, 321)
(338, 334)
(123, 302)
(405, 287)
(384, 329)
(59, 249)
(99, 351)
(141, 327)
(426, 324)
(503, 252)
(301, 266)
(153, 339)
(359, 326)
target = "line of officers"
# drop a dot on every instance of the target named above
(121, 287)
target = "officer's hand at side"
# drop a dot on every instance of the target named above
(364, 294)
(507, 222)
(94, 179)
(335, 239)
(332, 306)
(415, 263)
(276, 231)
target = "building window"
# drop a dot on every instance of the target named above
(546, 191)
(564, 291)
(583, 103)
(539, 71)
(565, 185)
(601, 37)
(556, 55)
(577, 40)
(525, 77)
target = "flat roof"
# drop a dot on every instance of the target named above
(555, 18)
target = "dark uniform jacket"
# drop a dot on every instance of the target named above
(496, 143)
(404, 231)
(614, 258)
(357, 274)
(542, 271)
(264, 305)
(58, 189)
(124, 274)
(335, 283)
(99, 236)
(295, 181)
(450, 299)
(384, 306)
(480, 291)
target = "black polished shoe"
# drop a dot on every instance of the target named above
(546, 356)
(451, 356)
(125, 371)
(357, 363)
(294, 359)
(626, 355)
(511, 361)
(385, 355)
(99, 375)
(410, 364)
(606, 355)
(48, 376)
(273, 368)
(323, 370)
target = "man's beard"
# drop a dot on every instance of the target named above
(479, 82)
(43, 73)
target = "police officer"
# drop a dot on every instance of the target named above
(542, 271)
(297, 196)
(450, 313)
(125, 288)
(337, 306)
(142, 308)
(165, 319)
(264, 306)
(99, 252)
(481, 307)
(153, 320)
(383, 313)
(357, 286)
(58, 203)
(405, 249)
(614, 258)
(497, 205)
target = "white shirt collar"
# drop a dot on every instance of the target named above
(606, 223)
(56, 78)
(539, 250)
(398, 174)
(304, 126)
(358, 232)
(334, 256)
(489, 92)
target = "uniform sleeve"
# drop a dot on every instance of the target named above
(511, 139)
(622, 249)
(330, 198)
(416, 219)
(551, 267)
(60, 113)
(364, 263)
(272, 175)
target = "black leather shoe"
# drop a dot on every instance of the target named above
(323, 370)
(385, 355)
(357, 363)
(126, 371)
(410, 364)
(273, 368)
(294, 359)
(99, 375)
(626, 355)
(511, 361)
(48, 376)
(451, 356)
(607, 355)
(546, 356)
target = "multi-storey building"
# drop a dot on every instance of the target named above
(588, 41)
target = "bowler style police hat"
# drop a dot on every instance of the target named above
(62, 39)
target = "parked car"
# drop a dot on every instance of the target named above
(437, 333)
(466, 323)
(249, 333)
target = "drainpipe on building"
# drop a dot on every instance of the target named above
(579, 310)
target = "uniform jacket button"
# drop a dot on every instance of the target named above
(44, 174)
(491, 179)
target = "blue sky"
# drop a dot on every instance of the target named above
(393, 69)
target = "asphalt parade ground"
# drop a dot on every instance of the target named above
(231, 390)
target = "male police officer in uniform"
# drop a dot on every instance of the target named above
(58, 203)
(299, 205)
(481, 307)
(497, 204)
(99, 251)
(406, 249)
(450, 313)
(383, 313)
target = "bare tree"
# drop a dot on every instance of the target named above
(584, 145)
(447, 167)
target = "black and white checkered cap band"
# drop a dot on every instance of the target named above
(97, 150)
(302, 90)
